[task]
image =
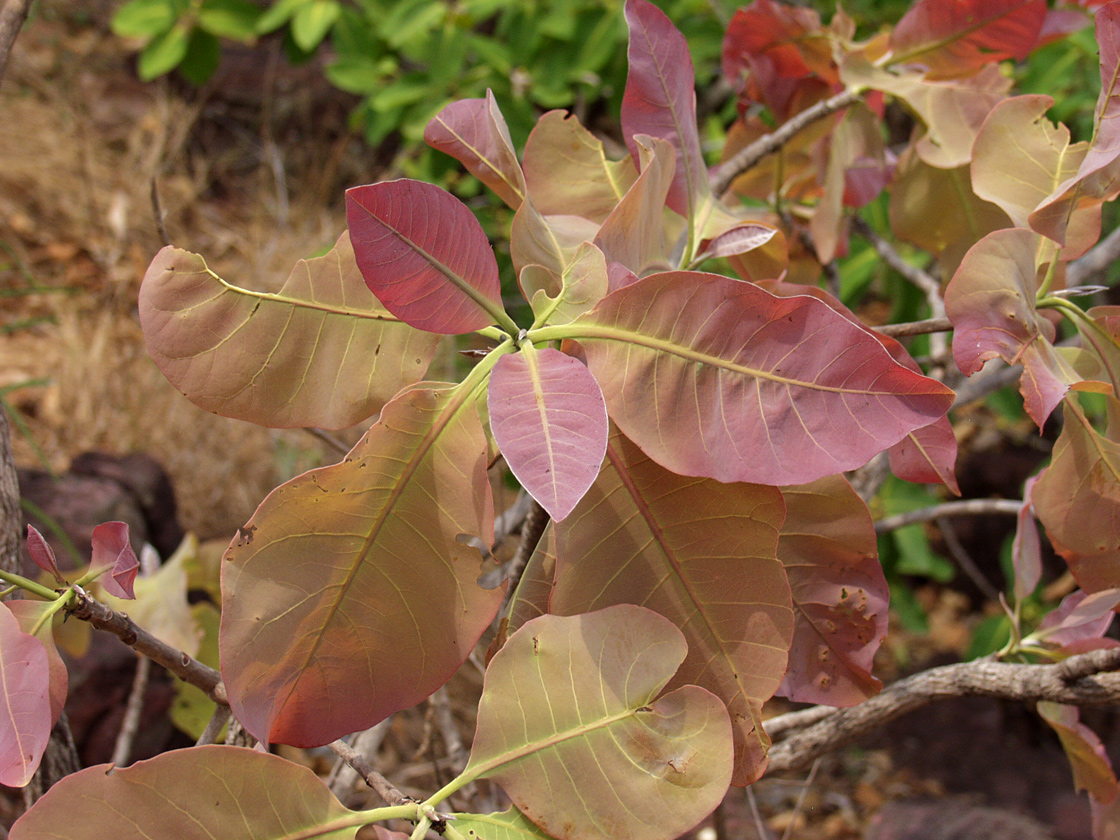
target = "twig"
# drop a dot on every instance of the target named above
(366, 743)
(185, 667)
(329, 439)
(362, 767)
(448, 729)
(1096, 261)
(531, 532)
(157, 211)
(122, 750)
(801, 799)
(745, 158)
(995, 375)
(1096, 684)
(964, 559)
(966, 507)
(12, 18)
(939, 345)
(929, 325)
(214, 726)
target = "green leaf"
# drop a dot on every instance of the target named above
(164, 53)
(359, 74)
(143, 18)
(201, 793)
(236, 19)
(570, 728)
(278, 14)
(311, 23)
(508, 825)
(202, 58)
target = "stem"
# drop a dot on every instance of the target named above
(930, 325)
(967, 507)
(28, 585)
(745, 158)
(60, 603)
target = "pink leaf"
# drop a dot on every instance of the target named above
(1080, 617)
(424, 255)
(550, 421)
(660, 99)
(990, 301)
(716, 377)
(737, 240)
(41, 552)
(958, 37)
(113, 551)
(474, 132)
(1026, 549)
(28, 614)
(829, 552)
(24, 702)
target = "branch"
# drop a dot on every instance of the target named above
(916, 276)
(12, 18)
(363, 768)
(1079, 680)
(747, 157)
(930, 325)
(186, 668)
(966, 507)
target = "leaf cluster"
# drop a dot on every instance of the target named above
(687, 432)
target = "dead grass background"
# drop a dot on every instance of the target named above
(250, 170)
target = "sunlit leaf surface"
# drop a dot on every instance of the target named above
(1092, 771)
(25, 705)
(202, 793)
(704, 555)
(571, 726)
(829, 552)
(28, 613)
(716, 377)
(549, 419)
(559, 299)
(991, 302)
(424, 255)
(507, 825)
(320, 352)
(349, 594)
(474, 132)
(660, 100)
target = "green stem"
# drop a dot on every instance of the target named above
(410, 812)
(1044, 287)
(421, 829)
(29, 585)
(59, 604)
(452, 833)
(493, 333)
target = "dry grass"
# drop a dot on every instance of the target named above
(80, 142)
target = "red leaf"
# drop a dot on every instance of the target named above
(113, 551)
(716, 377)
(41, 552)
(660, 99)
(783, 53)
(549, 419)
(424, 255)
(990, 301)
(829, 551)
(958, 37)
(24, 702)
(474, 132)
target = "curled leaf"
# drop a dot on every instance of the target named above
(113, 552)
